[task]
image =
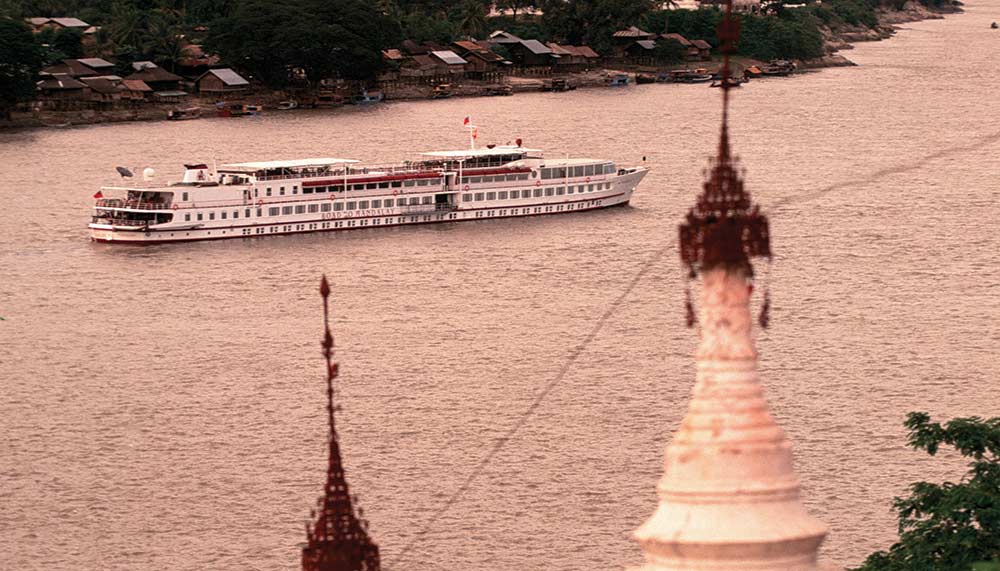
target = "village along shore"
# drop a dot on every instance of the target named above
(599, 73)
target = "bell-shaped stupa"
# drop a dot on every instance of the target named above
(729, 497)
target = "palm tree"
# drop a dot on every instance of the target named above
(127, 25)
(472, 18)
(164, 40)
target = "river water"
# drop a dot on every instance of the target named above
(162, 407)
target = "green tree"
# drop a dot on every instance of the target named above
(68, 41)
(949, 526)
(322, 38)
(669, 51)
(592, 22)
(127, 24)
(163, 38)
(20, 60)
(516, 5)
(471, 18)
(11, 9)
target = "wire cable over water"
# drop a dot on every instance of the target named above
(523, 418)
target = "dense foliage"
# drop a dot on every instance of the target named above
(592, 22)
(281, 42)
(20, 60)
(949, 526)
(322, 38)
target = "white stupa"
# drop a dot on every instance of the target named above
(729, 497)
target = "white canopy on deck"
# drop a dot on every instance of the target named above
(298, 163)
(484, 152)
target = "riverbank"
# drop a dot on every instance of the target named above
(835, 41)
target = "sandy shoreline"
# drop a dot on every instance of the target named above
(842, 40)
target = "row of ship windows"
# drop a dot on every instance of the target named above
(576, 172)
(589, 170)
(411, 201)
(324, 207)
(404, 219)
(345, 224)
(537, 192)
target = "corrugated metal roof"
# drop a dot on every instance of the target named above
(646, 44)
(449, 57)
(677, 38)
(586, 51)
(632, 32)
(560, 50)
(136, 85)
(466, 45)
(393, 54)
(95, 62)
(154, 74)
(60, 81)
(228, 76)
(502, 37)
(536, 47)
(102, 85)
(701, 44)
(36, 21)
(71, 22)
(424, 61)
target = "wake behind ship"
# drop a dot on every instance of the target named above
(327, 194)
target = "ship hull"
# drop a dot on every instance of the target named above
(619, 194)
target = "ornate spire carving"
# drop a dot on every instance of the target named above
(338, 540)
(729, 496)
(724, 228)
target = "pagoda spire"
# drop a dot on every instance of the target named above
(338, 539)
(729, 496)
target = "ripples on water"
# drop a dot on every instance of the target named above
(162, 406)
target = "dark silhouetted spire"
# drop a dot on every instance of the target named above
(338, 540)
(724, 228)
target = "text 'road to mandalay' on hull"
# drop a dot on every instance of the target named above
(326, 194)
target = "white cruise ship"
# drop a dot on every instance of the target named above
(313, 195)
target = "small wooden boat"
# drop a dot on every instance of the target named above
(367, 97)
(732, 82)
(994, 26)
(686, 76)
(327, 99)
(618, 80)
(288, 105)
(183, 114)
(441, 91)
(502, 89)
(777, 68)
(237, 109)
(641, 78)
(558, 84)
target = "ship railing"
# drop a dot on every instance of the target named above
(132, 204)
(123, 222)
(339, 173)
(426, 208)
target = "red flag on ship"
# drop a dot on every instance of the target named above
(98, 194)
(466, 122)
